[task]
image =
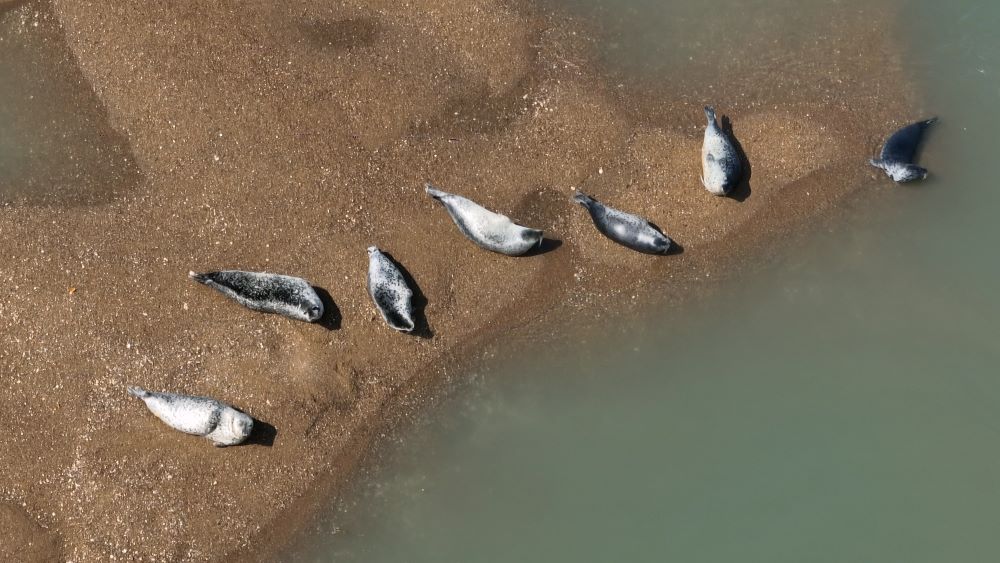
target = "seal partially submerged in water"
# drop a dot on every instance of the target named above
(900, 150)
(487, 229)
(201, 416)
(267, 293)
(721, 168)
(624, 228)
(390, 292)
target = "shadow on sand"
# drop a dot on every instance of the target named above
(547, 245)
(742, 190)
(331, 313)
(263, 434)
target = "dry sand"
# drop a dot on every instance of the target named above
(174, 136)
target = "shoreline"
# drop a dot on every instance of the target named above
(235, 142)
(295, 533)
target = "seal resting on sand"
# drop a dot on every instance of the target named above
(201, 416)
(899, 151)
(390, 292)
(626, 229)
(487, 229)
(721, 168)
(267, 293)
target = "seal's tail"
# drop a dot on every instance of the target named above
(434, 192)
(583, 199)
(138, 392)
(710, 114)
(200, 278)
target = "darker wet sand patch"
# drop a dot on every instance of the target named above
(341, 34)
(57, 145)
(24, 539)
(289, 138)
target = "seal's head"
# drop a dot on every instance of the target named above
(660, 244)
(908, 173)
(534, 236)
(900, 171)
(234, 428)
(315, 311)
(307, 306)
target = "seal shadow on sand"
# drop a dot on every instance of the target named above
(540, 208)
(742, 190)
(547, 245)
(263, 434)
(423, 327)
(331, 313)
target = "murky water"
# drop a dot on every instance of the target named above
(843, 405)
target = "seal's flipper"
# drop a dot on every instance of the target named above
(583, 199)
(434, 192)
(138, 392)
(903, 144)
(200, 278)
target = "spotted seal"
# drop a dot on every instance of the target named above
(201, 416)
(720, 161)
(487, 229)
(626, 229)
(267, 293)
(899, 151)
(390, 292)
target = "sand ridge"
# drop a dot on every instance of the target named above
(288, 139)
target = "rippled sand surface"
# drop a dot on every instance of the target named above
(142, 140)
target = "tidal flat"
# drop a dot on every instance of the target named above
(140, 141)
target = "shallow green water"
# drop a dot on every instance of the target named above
(841, 406)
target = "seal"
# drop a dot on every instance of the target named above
(267, 293)
(489, 230)
(626, 229)
(201, 416)
(721, 168)
(899, 151)
(390, 292)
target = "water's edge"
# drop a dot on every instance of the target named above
(866, 246)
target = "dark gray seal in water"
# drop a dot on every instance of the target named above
(721, 168)
(626, 229)
(388, 289)
(267, 293)
(487, 229)
(201, 416)
(900, 150)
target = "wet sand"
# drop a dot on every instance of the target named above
(291, 138)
